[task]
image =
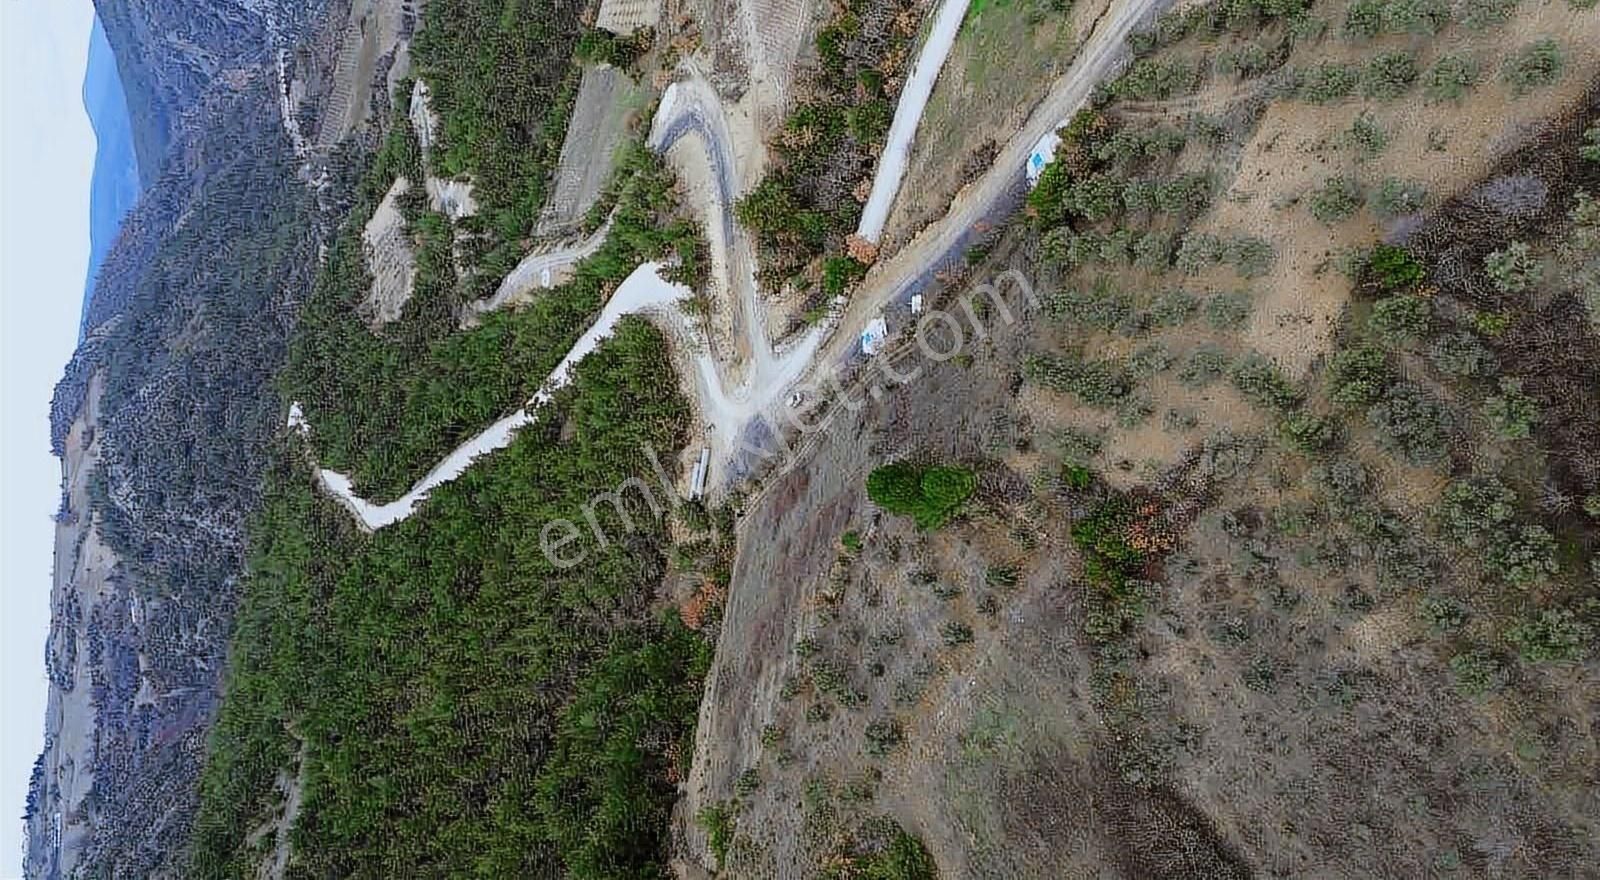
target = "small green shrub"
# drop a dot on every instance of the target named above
(1309, 433)
(718, 821)
(1478, 672)
(1475, 509)
(603, 47)
(1397, 197)
(1444, 614)
(883, 736)
(1513, 268)
(838, 273)
(1462, 354)
(1400, 319)
(1251, 257)
(1198, 251)
(1591, 505)
(1415, 16)
(1134, 408)
(1511, 413)
(1411, 422)
(1172, 308)
(1076, 476)
(771, 736)
(955, 633)
(1248, 61)
(1522, 557)
(1366, 136)
(747, 783)
(1152, 250)
(1491, 324)
(905, 858)
(1338, 199)
(1535, 65)
(1077, 446)
(1389, 75)
(1152, 79)
(1480, 14)
(1552, 635)
(1149, 359)
(1328, 82)
(1101, 307)
(1259, 380)
(1204, 366)
(1364, 19)
(1359, 375)
(1227, 311)
(1450, 77)
(1097, 383)
(1590, 150)
(1393, 268)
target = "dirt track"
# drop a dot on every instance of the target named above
(735, 408)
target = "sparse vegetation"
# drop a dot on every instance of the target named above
(718, 821)
(1396, 197)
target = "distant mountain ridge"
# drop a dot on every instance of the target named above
(170, 51)
(114, 187)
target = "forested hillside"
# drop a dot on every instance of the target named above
(502, 78)
(459, 704)
(442, 698)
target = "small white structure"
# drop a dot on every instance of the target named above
(916, 303)
(872, 337)
(1041, 155)
(697, 477)
(297, 420)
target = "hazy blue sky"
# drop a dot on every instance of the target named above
(46, 156)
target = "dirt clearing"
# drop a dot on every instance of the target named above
(609, 105)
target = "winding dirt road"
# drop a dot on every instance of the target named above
(691, 108)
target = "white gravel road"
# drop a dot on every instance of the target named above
(907, 115)
(691, 108)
